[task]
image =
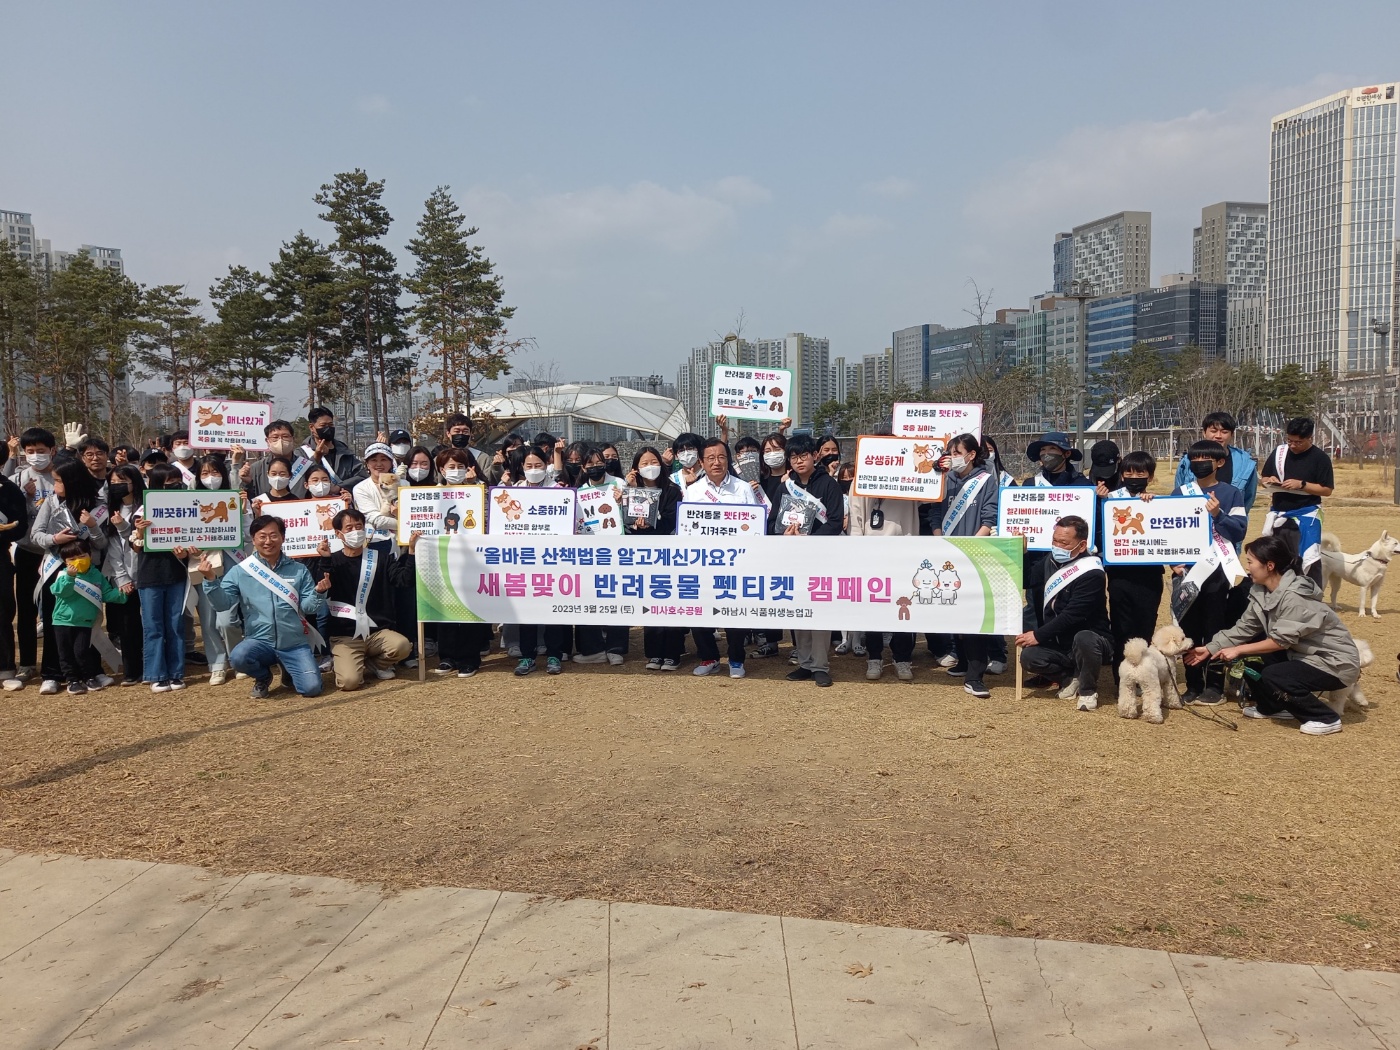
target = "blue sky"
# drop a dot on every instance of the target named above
(641, 173)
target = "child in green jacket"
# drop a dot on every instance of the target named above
(79, 592)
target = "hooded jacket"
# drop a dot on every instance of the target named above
(1295, 617)
(983, 510)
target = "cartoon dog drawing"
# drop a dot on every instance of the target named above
(948, 584)
(451, 520)
(777, 391)
(924, 459)
(207, 417)
(212, 512)
(1124, 521)
(925, 583)
(509, 507)
(325, 514)
(903, 604)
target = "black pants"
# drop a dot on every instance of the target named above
(27, 613)
(124, 628)
(596, 638)
(1090, 651)
(7, 612)
(48, 664)
(460, 644)
(973, 648)
(1292, 685)
(556, 639)
(707, 647)
(73, 644)
(1134, 596)
(1208, 614)
(901, 646)
(663, 643)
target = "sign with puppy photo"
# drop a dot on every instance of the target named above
(741, 392)
(899, 468)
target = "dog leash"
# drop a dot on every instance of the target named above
(1210, 715)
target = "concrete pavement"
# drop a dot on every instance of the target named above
(124, 954)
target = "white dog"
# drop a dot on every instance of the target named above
(1147, 675)
(1338, 699)
(1366, 570)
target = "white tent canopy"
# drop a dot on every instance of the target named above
(613, 405)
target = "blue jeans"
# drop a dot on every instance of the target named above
(163, 632)
(256, 659)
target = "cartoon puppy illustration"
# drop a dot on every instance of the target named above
(207, 417)
(1124, 521)
(212, 512)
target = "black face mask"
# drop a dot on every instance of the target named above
(1137, 486)
(1052, 463)
(613, 466)
(1202, 468)
(597, 473)
(326, 433)
(572, 469)
(826, 461)
(460, 440)
(845, 486)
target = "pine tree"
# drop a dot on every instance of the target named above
(306, 291)
(171, 344)
(20, 295)
(458, 312)
(243, 354)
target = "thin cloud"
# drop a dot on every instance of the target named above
(374, 105)
(892, 188)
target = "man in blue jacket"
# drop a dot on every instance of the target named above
(1239, 469)
(276, 597)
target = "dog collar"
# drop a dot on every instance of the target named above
(1383, 561)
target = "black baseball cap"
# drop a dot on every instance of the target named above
(1104, 459)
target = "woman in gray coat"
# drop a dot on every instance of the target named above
(1306, 648)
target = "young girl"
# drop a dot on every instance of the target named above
(161, 579)
(70, 513)
(214, 627)
(125, 490)
(79, 590)
(599, 642)
(663, 646)
(532, 473)
(279, 482)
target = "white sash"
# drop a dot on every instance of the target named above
(256, 568)
(88, 590)
(1223, 552)
(1042, 482)
(965, 499)
(299, 469)
(1280, 455)
(802, 494)
(341, 610)
(51, 563)
(1192, 488)
(1120, 493)
(1075, 569)
(187, 475)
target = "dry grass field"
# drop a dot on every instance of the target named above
(887, 803)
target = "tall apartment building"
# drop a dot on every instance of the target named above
(693, 378)
(845, 379)
(1114, 254)
(809, 358)
(17, 227)
(911, 349)
(1333, 250)
(1229, 245)
(983, 348)
(652, 384)
(877, 373)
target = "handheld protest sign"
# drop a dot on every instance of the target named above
(207, 520)
(307, 521)
(741, 392)
(720, 519)
(524, 511)
(928, 419)
(1031, 512)
(441, 510)
(222, 424)
(899, 468)
(1168, 530)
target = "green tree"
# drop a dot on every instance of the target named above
(307, 295)
(20, 296)
(830, 416)
(458, 313)
(171, 344)
(243, 353)
(1294, 392)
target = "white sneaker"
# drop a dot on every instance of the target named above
(1070, 690)
(653, 665)
(48, 688)
(1320, 728)
(737, 671)
(615, 659)
(977, 689)
(384, 673)
(701, 669)
(873, 669)
(904, 671)
(1251, 711)
(1088, 703)
(996, 667)
(591, 658)
(105, 680)
(11, 684)
(948, 661)
(218, 677)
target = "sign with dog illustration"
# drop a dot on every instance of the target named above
(599, 510)
(1032, 512)
(928, 419)
(899, 468)
(1168, 530)
(741, 392)
(441, 510)
(206, 520)
(308, 522)
(525, 511)
(223, 424)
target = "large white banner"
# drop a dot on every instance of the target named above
(223, 424)
(741, 392)
(524, 511)
(308, 522)
(440, 510)
(898, 468)
(1168, 530)
(1032, 512)
(898, 583)
(721, 519)
(927, 419)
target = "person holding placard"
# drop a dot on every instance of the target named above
(662, 646)
(968, 508)
(419, 470)
(599, 642)
(552, 638)
(35, 480)
(1074, 638)
(214, 627)
(1207, 615)
(1134, 591)
(162, 579)
(278, 477)
(1239, 469)
(1299, 474)
(816, 487)
(1055, 455)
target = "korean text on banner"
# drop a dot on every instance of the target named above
(524, 511)
(599, 511)
(741, 392)
(1169, 530)
(223, 424)
(210, 520)
(721, 519)
(962, 586)
(1032, 512)
(899, 468)
(935, 419)
(441, 510)
(308, 522)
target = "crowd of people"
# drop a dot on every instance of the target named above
(80, 577)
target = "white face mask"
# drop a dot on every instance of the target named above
(418, 473)
(211, 481)
(455, 475)
(184, 453)
(534, 475)
(319, 488)
(688, 458)
(353, 538)
(39, 460)
(956, 463)
(279, 446)
(278, 481)
(401, 450)
(774, 459)
(651, 471)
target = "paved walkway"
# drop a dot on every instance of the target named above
(125, 954)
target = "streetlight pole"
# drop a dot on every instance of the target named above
(1382, 329)
(1081, 291)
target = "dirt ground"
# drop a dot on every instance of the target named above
(868, 802)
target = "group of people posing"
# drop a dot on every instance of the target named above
(75, 518)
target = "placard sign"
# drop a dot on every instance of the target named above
(441, 510)
(223, 424)
(899, 468)
(721, 519)
(933, 419)
(1168, 530)
(1032, 512)
(741, 392)
(599, 511)
(525, 511)
(308, 522)
(206, 520)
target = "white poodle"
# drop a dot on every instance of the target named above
(1147, 675)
